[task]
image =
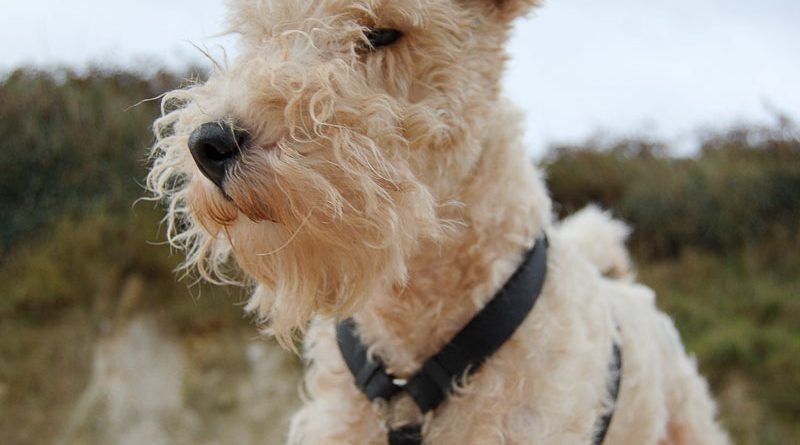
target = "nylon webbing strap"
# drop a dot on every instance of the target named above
(613, 391)
(484, 334)
(407, 435)
(465, 353)
(370, 376)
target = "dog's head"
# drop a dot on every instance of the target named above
(319, 159)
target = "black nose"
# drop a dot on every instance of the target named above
(215, 146)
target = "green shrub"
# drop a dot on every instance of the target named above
(72, 144)
(742, 188)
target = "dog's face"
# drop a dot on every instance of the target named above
(319, 158)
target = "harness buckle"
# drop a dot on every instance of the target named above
(402, 418)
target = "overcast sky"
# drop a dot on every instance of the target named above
(663, 67)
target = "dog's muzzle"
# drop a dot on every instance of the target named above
(215, 147)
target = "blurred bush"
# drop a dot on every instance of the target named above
(72, 144)
(73, 160)
(74, 156)
(742, 188)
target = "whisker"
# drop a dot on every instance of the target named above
(291, 238)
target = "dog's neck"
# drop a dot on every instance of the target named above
(505, 207)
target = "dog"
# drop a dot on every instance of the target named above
(356, 163)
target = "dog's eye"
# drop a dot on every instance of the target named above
(379, 37)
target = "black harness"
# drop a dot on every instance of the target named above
(465, 353)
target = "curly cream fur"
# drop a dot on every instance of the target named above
(601, 239)
(390, 185)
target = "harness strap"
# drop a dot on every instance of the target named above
(464, 354)
(406, 435)
(478, 340)
(412, 434)
(483, 335)
(369, 373)
(613, 390)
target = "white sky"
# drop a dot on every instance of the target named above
(663, 67)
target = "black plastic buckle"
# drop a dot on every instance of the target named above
(406, 435)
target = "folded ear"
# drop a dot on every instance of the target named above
(506, 10)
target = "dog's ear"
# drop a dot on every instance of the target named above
(505, 10)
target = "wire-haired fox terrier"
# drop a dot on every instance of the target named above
(357, 163)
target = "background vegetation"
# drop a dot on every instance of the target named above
(716, 234)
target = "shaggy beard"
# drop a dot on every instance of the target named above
(320, 236)
(322, 221)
